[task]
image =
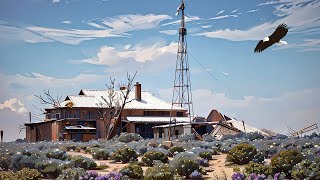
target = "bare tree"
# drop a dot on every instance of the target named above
(125, 89)
(47, 98)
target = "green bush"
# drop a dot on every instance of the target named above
(49, 169)
(83, 162)
(56, 154)
(206, 155)
(149, 157)
(134, 171)
(128, 137)
(285, 160)
(307, 169)
(100, 154)
(258, 169)
(28, 174)
(184, 166)
(7, 175)
(241, 154)
(124, 155)
(5, 161)
(72, 174)
(159, 172)
(176, 149)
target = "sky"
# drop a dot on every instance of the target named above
(65, 46)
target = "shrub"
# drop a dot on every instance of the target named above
(100, 154)
(307, 169)
(15, 162)
(134, 171)
(72, 174)
(208, 137)
(186, 137)
(7, 175)
(159, 172)
(206, 155)
(203, 162)
(285, 160)
(83, 162)
(56, 154)
(176, 149)
(241, 154)
(89, 175)
(110, 176)
(258, 158)
(258, 169)
(50, 168)
(195, 175)
(5, 161)
(124, 155)
(253, 136)
(185, 166)
(28, 174)
(128, 137)
(149, 157)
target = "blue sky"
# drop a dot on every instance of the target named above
(65, 46)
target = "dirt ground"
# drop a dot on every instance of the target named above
(217, 165)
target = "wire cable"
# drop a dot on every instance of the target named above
(203, 66)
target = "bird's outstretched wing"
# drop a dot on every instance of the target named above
(280, 32)
(262, 46)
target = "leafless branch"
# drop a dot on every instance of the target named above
(48, 99)
(125, 94)
(42, 111)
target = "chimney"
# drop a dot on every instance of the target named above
(138, 91)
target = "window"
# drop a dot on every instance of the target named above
(176, 133)
(160, 132)
(180, 114)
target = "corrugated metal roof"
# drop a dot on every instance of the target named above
(82, 101)
(96, 98)
(150, 119)
(239, 125)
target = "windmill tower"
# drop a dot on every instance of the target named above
(182, 96)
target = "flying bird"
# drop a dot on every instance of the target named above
(275, 37)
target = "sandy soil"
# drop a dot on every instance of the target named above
(217, 165)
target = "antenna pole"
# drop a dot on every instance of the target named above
(181, 96)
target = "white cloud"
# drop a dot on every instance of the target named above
(206, 26)
(169, 32)
(220, 12)
(255, 33)
(66, 22)
(16, 33)
(300, 15)
(268, 3)
(234, 11)
(253, 10)
(298, 108)
(55, 1)
(223, 16)
(118, 26)
(14, 105)
(40, 80)
(306, 46)
(110, 56)
(133, 22)
(187, 19)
